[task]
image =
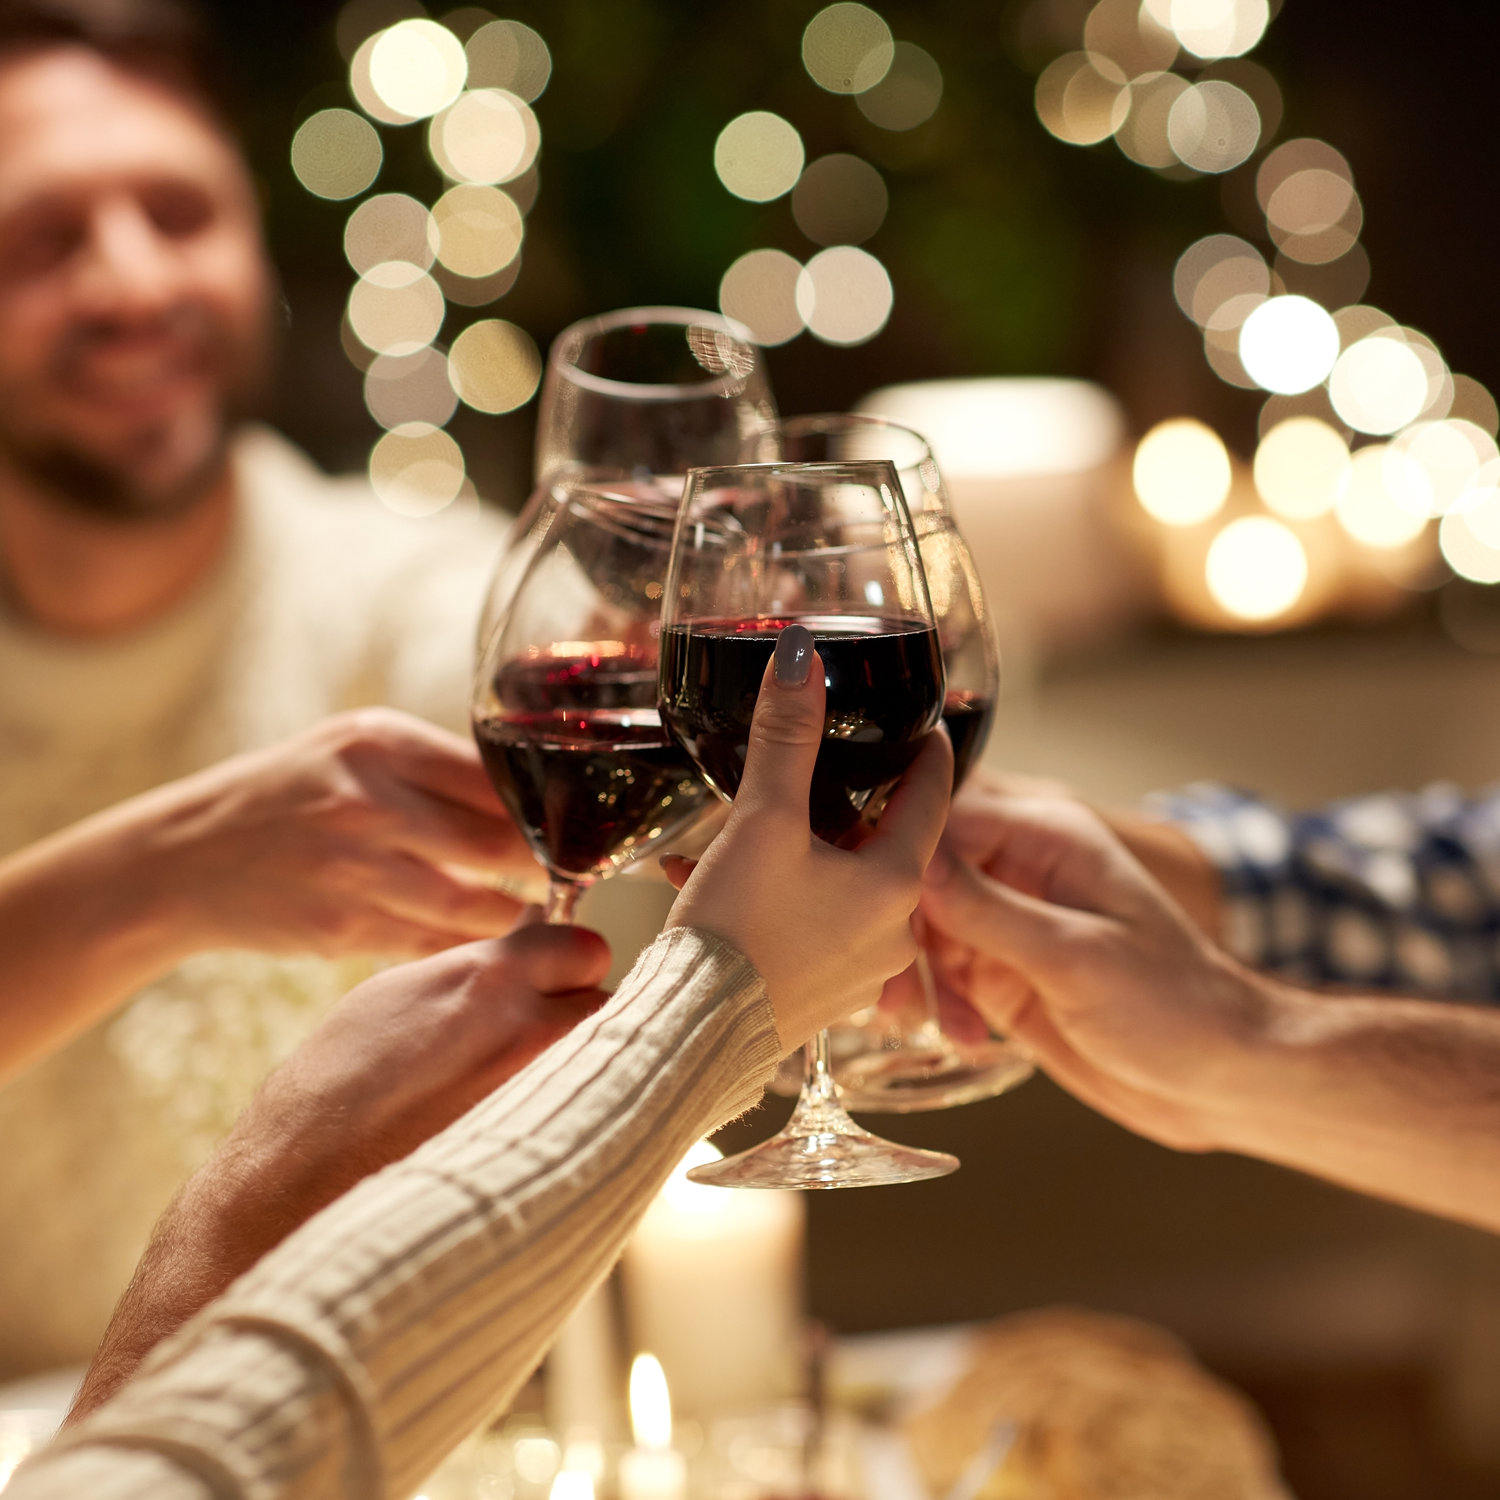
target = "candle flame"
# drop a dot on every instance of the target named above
(650, 1403)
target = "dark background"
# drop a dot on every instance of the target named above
(1010, 251)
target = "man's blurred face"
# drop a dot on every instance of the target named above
(134, 288)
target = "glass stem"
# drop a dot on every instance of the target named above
(562, 898)
(817, 1077)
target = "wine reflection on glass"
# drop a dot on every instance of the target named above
(831, 547)
(564, 704)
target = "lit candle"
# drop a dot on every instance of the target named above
(713, 1287)
(572, 1484)
(653, 1469)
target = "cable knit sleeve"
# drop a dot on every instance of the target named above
(355, 1356)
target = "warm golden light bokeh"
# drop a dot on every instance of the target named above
(908, 95)
(389, 226)
(336, 154)
(1289, 344)
(1300, 465)
(760, 290)
(416, 470)
(847, 48)
(417, 67)
(1367, 509)
(839, 200)
(844, 295)
(494, 366)
(396, 308)
(1181, 472)
(479, 230)
(1256, 568)
(759, 156)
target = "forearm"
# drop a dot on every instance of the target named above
(1396, 1098)
(86, 917)
(434, 1289)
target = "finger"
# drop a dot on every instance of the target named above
(786, 731)
(552, 1017)
(957, 1019)
(417, 891)
(903, 992)
(530, 915)
(556, 959)
(446, 833)
(1002, 923)
(912, 822)
(432, 760)
(677, 869)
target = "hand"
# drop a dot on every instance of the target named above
(395, 1061)
(1047, 926)
(825, 927)
(346, 838)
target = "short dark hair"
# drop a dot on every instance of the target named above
(166, 40)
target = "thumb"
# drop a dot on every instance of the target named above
(787, 728)
(1019, 930)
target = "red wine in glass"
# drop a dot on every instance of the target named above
(883, 678)
(967, 715)
(579, 756)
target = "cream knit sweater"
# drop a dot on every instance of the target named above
(359, 1353)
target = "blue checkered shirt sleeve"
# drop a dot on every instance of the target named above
(1397, 891)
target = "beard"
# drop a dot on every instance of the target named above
(147, 482)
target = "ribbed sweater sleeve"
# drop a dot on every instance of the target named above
(356, 1355)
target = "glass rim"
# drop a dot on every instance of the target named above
(604, 505)
(570, 342)
(832, 421)
(810, 467)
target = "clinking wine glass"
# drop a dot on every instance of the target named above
(831, 547)
(564, 706)
(902, 1062)
(631, 401)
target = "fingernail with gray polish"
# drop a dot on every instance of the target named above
(794, 654)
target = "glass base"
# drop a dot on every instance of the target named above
(911, 1079)
(821, 1147)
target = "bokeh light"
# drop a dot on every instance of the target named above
(336, 154)
(410, 388)
(1256, 568)
(363, 89)
(1379, 384)
(847, 48)
(476, 291)
(389, 226)
(1213, 270)
(908, 95)
(1258, 83)
(1130, 37)
(1473, 403)
(1213, 28)
(1367, 509)
(494, 366)
(760, 290)
(1289, 344)
(417, 68)
(396, 308)
(759, 156)
(416, 470)
(1082, 99)
(1470, 540)
(1181, 472)
(844, 295)
(511, 56)
(839, 200)
(1299, 467)
(1450, 465)
(478, 229)
(487, 136)
(1314, 215)
(1213, 126)
(1143, 136)
(1291, 157)
(1221, 338)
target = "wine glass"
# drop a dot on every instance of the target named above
(840, 437)
(631, 401)
(830, 546)
(904, 1061)
(564, 704)
(652, 391)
